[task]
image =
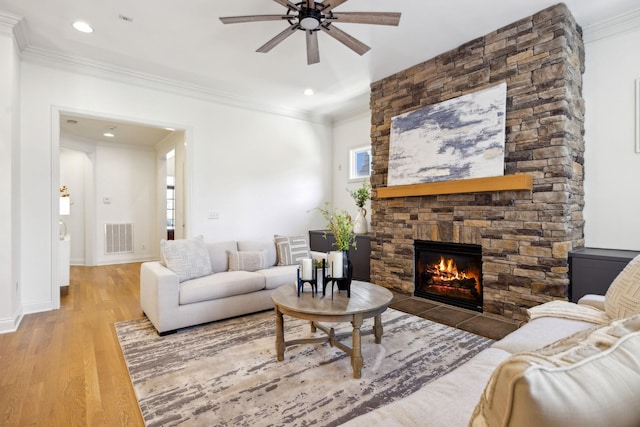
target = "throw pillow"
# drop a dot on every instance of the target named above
(589, 379)
(623, 296)
(188, 258)
(247, 260)
(291, 250)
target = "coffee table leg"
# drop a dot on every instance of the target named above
(279, 335)
(356, 353)
(377, 328)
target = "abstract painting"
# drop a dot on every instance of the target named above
(455, 139)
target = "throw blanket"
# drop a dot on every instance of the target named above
(569, 310)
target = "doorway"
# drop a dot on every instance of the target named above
(113, 179)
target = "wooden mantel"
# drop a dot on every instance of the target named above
(473, 185)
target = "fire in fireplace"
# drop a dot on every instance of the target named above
(449, 272)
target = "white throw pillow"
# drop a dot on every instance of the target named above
(291, 250)
(590, 379)
(623, 296)
(247, 260)
(188, 258)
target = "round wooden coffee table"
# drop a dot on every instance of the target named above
(367, 300)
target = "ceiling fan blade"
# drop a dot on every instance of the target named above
(332, 4)
(313, 53)
(277, 39)
(253, 18)
(377, 18)
(287, 3)
(351, 42)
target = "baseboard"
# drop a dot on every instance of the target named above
(37, 306)
(11, 324)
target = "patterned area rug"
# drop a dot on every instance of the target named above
(226, 374)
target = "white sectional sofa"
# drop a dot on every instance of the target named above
(200, 282)
(570, 365)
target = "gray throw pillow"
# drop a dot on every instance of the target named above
(188, 258)
(247, 260)
(291, 250)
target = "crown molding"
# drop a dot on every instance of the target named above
(624, 23)
(151, 81)
(12, 25)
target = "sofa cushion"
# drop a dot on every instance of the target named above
(247, 260)
(268, 246)
(589, 379)
(291, 250)
(623, 296)
(218, 254)
(220, 285)
(280, 275)
(540, 332)
(188, 258)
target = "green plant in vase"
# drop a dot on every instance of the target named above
(341, 226)
(360, 196)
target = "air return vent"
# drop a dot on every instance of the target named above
(118, 238)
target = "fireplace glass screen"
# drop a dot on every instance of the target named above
(449, 272)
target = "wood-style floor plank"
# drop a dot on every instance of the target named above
(65, 367)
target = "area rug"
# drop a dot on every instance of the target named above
(226, 374)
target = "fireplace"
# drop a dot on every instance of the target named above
(449, 272)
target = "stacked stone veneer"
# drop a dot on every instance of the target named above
(525, 235)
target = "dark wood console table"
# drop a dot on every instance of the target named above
(592, 270)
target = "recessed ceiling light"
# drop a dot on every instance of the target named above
(110, 132)
(170, 129)
(83, 27)
(308, 92)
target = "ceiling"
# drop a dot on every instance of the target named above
(185, 42)
(125, 133)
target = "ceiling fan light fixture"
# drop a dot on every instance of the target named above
(309, 23)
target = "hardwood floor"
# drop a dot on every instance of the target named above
(65, 367)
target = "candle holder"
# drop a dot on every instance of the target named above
(313, 282)
(344, 282)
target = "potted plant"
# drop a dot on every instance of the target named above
(341, 226)
(360, 196)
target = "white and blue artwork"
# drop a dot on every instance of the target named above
(458, 138)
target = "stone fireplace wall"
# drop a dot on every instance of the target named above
(525, 235)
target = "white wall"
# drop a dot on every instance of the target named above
(125, 174)
(348, 133)
(10, 287)
(612, 168)
(261, 172)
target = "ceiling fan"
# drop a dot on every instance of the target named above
(313, 16)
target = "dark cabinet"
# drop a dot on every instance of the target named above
(592, 270)
(360, 256)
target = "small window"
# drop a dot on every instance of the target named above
(359, 163)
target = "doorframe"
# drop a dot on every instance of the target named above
(56, 112)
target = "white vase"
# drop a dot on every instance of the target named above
(360, 223)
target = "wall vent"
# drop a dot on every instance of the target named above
(118, 238)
